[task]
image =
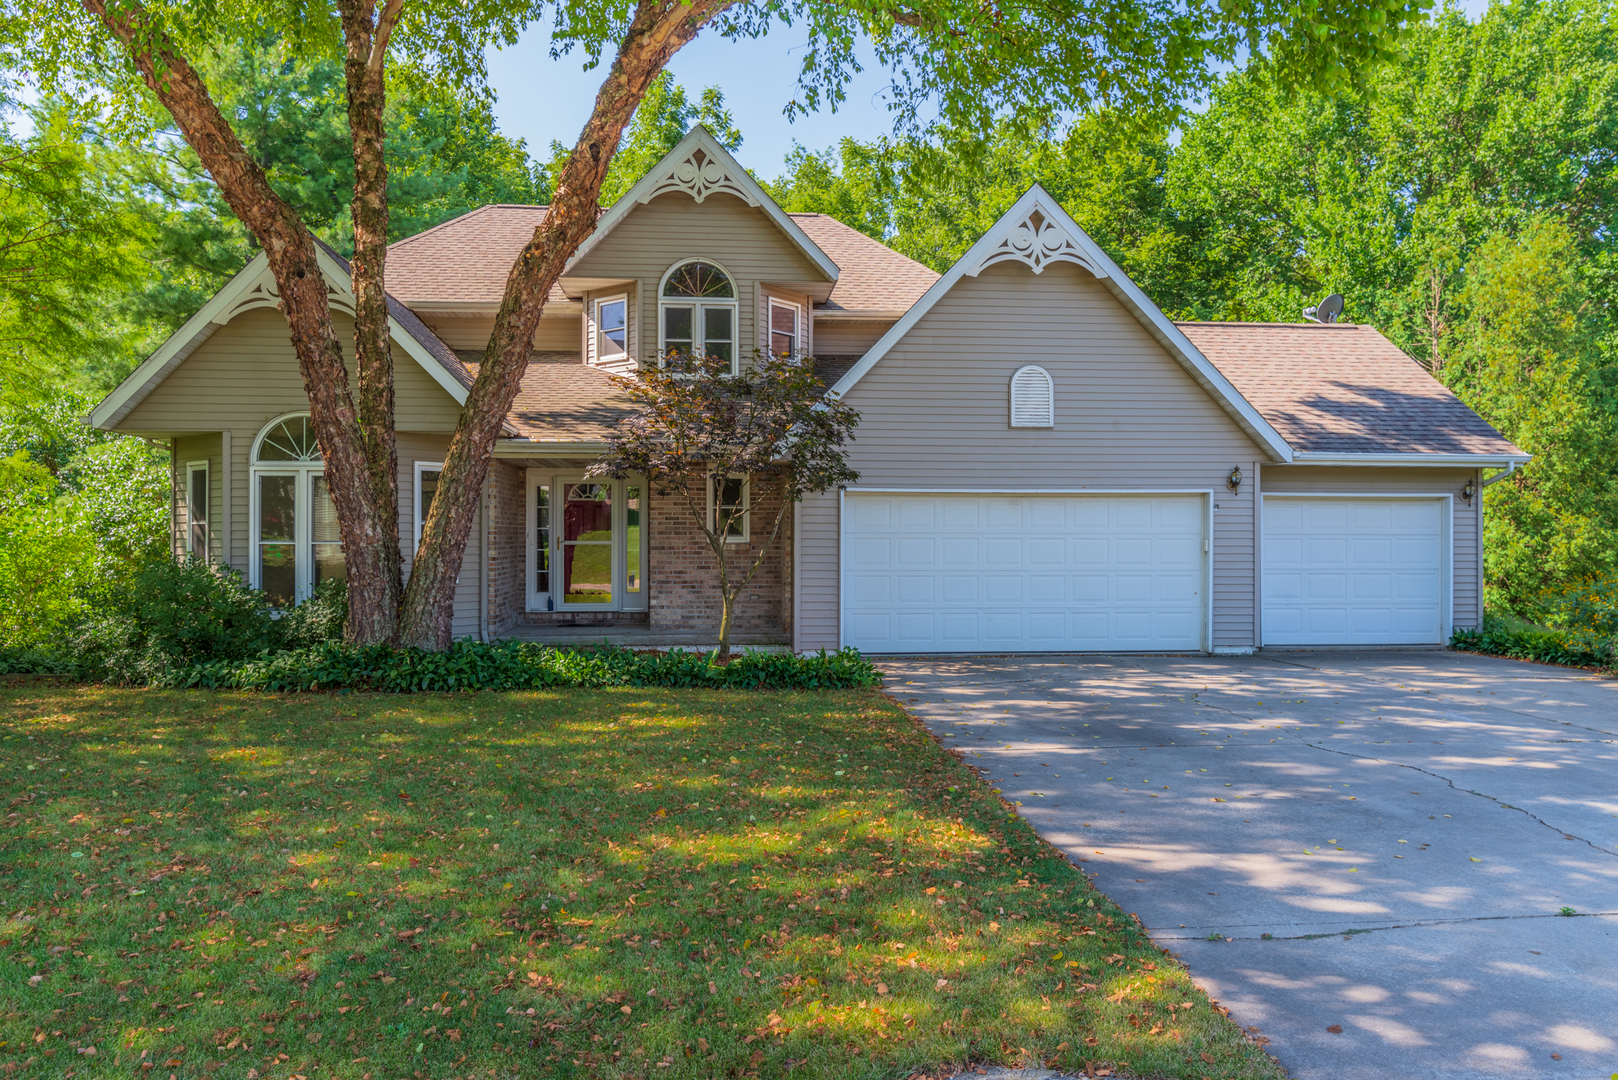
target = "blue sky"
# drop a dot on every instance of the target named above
(541, 99)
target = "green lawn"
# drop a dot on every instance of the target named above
(663, 883)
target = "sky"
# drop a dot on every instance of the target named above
(540, 99)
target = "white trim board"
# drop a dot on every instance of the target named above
(1058, 238)
(1470, 461)
(720, 172)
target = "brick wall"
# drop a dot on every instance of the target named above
(508, 530)
(684, 574)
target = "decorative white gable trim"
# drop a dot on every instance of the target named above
(1037, 241)
(253, 287)
(700, 167)
(699, 175)
(992, 247)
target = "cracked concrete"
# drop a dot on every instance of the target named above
(1379, 841)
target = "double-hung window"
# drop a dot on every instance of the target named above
(697, 312)
(427, 474)
(196, 508)
(612, 330)
(729, 498)
(786, 328)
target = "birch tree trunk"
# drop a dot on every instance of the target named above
(369, 530)
(657, 32)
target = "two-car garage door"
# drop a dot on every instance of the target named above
(1008, 573)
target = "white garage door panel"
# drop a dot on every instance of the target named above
(963, 573)
(1353, 571)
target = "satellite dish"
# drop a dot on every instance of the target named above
(1329, 311)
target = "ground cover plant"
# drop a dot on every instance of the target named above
(614, 883)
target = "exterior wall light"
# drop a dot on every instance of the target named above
(1234, 480)
(1469, 490)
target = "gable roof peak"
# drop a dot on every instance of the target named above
(700, 166)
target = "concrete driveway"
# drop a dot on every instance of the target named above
(1379, 842)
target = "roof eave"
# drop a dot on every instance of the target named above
(1408, 460)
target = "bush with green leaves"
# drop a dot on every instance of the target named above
(45, 548)
(170, 616)
(1521, 640)
(512, 665)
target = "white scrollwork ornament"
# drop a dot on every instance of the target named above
(699, 175)
(1037, 241)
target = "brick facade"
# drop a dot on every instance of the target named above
(508, 536)
(684, 575)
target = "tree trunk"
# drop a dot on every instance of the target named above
(366, 527)
(727, 608)
(373, 613)
(656, 33)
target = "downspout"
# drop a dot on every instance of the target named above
(226, 494)
(1511, 467)
(1258, 555)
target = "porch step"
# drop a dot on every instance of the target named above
(633, 636)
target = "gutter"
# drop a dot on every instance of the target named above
(1474, 461)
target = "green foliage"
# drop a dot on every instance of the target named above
(170, 615)
(45, 553)
(68, 246)
(445, 157)
(664, 117)
(1522, 358)
(1524, 641)
(512, 665)
(1589, 607)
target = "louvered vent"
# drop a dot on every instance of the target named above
(1032, 398)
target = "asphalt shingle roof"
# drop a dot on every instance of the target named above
(870, 275)
(466, 259)
(1343, 388)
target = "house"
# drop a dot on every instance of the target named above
(1046, 461)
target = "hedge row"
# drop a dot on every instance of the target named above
(511, 665)
(1532, 643)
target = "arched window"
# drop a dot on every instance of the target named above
(697, 311)
(1033, 397)
(296, 542)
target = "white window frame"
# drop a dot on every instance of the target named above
(746, 504)
(302, 512)
(600, 335)
(422, 467)
(797, 323)
(698, 305)
(191, 469)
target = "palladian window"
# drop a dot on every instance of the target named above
(697, 311)
(296, 542)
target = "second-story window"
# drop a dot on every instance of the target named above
(612, 329)
(697, 311)
(785, 331)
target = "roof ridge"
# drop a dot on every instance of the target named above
(1273, 325)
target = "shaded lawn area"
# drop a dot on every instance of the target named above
(635, 883)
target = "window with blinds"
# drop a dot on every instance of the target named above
(1033, 398)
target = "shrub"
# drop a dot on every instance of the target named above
(511, 665)
(44, 549)
(1520, 640)
(172, 615)
(318, 619)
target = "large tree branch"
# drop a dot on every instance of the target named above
(293, 259)
(657, 31)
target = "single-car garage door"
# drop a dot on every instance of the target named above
(1354, 571)
(1023, 573)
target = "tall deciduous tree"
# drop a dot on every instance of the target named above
(1032, 58)
(721, 444)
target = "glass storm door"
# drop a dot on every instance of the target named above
(587, 545)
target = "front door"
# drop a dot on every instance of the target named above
(585, 550)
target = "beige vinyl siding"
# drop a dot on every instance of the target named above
(246, 374)
(1370, 480)
(847, 338)
(187, 450)
(414, 448)
(673, 228)
(555, 333)
(934, 414)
